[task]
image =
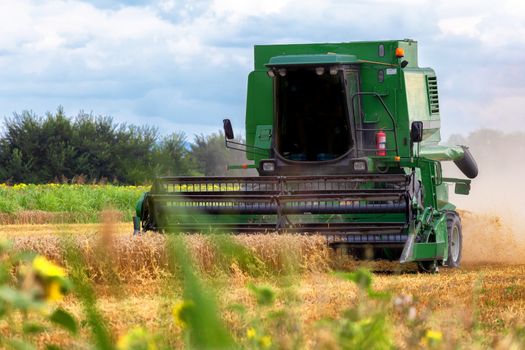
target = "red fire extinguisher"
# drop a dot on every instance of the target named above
(381, 143)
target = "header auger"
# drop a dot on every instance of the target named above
(345, 140)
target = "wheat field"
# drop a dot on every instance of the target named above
(130, 273)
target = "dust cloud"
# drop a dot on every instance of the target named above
(493, 214)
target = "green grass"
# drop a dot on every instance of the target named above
(85, 201)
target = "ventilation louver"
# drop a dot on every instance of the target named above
(433, 100)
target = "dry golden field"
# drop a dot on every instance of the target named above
(474, 306)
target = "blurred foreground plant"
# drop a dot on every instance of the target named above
(137, 339)
(269, 316)
(198, 314)
(365, 325)
(30, 286)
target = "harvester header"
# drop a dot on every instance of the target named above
(345, 138)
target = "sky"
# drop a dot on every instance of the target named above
(183, 65)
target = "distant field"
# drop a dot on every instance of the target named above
(65, 203)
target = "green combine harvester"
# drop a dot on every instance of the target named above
(345, 138)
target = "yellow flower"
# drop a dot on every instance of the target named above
(251, 333)
(137, 338)
(431, 338)
(19, 186)
(434, 335)
(54, 291)
(265, 342)
(46, 268)
(180, 312)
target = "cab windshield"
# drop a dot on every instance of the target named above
(312, 116)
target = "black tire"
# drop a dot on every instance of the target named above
(148, 223)
(428, 266)
(455, 240)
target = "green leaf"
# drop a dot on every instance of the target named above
(5, 245)
(33, 328)
(238, 308)
(25, 256)
(379, 295)
(361, 277)
(17, 299)
(52, 347)
(64, 319)
(4, 274)
(264, 295)
(278, 315)
(3, 308)
(18, 344)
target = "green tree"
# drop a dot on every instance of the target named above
(172, 156)
(211, 157)
(36, 149)
(40, 149)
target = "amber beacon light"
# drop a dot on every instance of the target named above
(400, 52)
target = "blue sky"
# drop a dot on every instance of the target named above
(182, 65)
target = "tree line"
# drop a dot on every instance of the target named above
(57, 148)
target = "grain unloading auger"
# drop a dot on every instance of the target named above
(345, 140)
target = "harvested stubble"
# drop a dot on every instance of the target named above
(132, 258)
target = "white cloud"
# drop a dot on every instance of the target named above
(167, 5)
(462, 26)
(182, 61)
(493, 25)
(241, 9)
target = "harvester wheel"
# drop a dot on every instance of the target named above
(428, 266)
(146, 217)
(455, 240)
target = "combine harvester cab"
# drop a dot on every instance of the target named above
(345, 138)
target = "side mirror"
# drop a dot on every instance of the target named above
(228, 130)
(462, 188)
(416, 132)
